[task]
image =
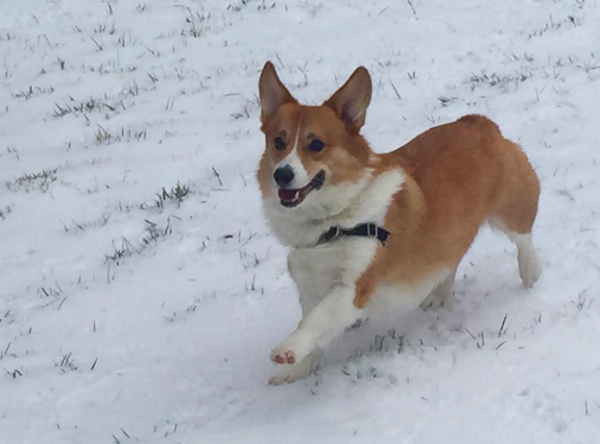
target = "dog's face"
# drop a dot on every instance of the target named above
(312, 151)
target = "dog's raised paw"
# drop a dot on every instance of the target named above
(289, 373)
(278, 380)
(279, 356)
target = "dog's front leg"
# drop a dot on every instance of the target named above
(285, 374)
(326, 320)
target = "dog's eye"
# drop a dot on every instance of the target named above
(316, 145)
(279, 143)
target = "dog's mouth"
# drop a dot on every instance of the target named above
(293, 198)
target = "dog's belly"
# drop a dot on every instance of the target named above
(317, 270)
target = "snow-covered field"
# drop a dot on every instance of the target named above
(141, 291)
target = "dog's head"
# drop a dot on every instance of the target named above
(314, 155)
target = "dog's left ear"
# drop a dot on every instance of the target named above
(350, 102)
(272, 93)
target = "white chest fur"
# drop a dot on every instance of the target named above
(318, 270)
(345, 205)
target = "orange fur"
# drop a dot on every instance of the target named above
(461, 174)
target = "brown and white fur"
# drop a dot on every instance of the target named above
(432, 195)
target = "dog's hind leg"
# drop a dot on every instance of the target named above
(527, 256)
(515, 210)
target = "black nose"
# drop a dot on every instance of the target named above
(283, 176)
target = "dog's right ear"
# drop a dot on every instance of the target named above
(272, 94)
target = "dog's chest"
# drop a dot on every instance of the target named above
(318, 269)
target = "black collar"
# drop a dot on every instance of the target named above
(366, 230)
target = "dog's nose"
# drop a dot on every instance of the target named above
(283, 176)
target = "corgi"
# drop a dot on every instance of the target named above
(370, 231)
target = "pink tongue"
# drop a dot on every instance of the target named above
(287, 194)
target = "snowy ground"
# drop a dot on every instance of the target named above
(133, 314)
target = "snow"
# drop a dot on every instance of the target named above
(104, 104)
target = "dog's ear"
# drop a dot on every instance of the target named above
(350, 102)
(272, 94)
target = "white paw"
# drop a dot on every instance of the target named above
(441, 295)
(433, 302)
(292, 373)
(280, 355)
(529, 268)
(438, 298)
(294, 349)
(283, 377)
